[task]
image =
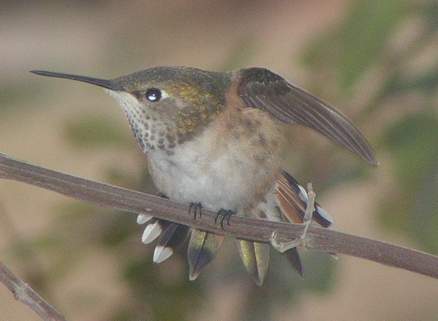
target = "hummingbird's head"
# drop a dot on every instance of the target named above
(165, 106)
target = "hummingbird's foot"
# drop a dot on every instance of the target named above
(223, 215)
(307, 220)
(283, 246)
(195, 209)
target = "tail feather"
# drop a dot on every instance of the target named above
(255, 257)
(143, 218)
(173, 235)
(292, 200)
(152, 230)
(202, 249)
(293, 257)
(169, 235)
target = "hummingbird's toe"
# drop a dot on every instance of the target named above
(195, 209)
(223, 215)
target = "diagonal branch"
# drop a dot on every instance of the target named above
(25, 294)
(319, 239)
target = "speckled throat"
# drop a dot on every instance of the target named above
(149, 129)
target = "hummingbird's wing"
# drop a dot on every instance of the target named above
(261, 88)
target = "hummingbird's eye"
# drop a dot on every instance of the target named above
(153, 95)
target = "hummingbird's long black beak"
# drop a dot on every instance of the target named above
(109, 84)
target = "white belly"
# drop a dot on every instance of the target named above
(224, 182)
(216, 171)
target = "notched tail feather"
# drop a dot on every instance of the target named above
(152, 230)
(172, 236)
(202, 249)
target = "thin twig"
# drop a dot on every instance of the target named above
(25, 294)
(319, 239)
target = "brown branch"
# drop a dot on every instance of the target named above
(25, 294)
(319, 239)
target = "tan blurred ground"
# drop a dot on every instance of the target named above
(110, 38)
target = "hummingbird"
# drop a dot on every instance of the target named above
(216, 141)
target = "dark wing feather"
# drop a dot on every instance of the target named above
(261, 88)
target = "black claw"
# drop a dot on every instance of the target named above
(225, 215)
(217, 216)
(199, 210)
(196, 210)
(222, 222)
(229, 217)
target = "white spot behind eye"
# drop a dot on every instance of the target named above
(164, 94)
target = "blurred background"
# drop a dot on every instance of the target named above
(375, 60)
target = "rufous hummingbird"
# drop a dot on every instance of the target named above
(216, 140)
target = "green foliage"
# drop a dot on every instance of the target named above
(426, 82)
(412, 143)
(366, 31)
(429, 12)
(359, 42)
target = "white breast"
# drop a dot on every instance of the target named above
(216, 171)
